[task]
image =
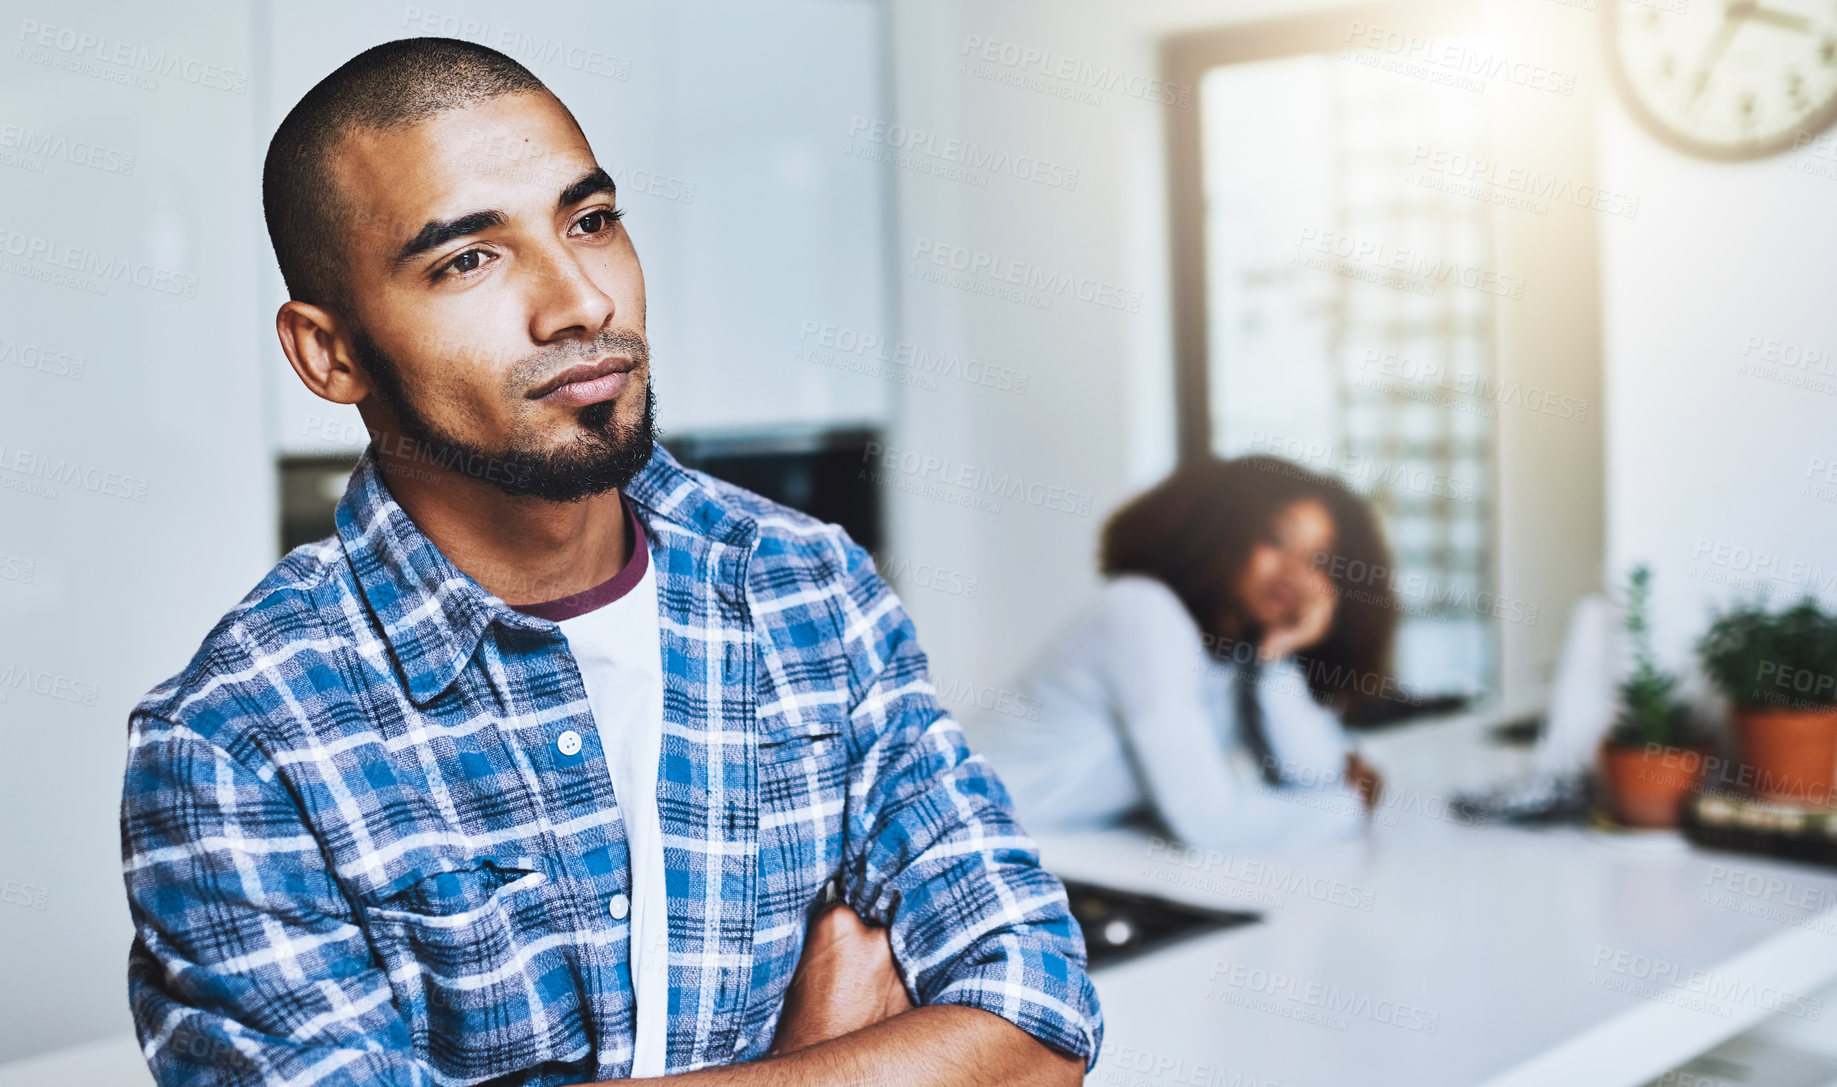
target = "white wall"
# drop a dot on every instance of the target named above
(1096, 416)
(120, 589)
(1709, 467)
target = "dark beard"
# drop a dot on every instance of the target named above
(606, 457)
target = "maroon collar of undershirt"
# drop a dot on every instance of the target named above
(571, 607)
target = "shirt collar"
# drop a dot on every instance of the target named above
(432, 615)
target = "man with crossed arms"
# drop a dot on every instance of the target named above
(545, 767)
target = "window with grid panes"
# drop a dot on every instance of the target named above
(1349, 320)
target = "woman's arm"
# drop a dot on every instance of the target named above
(1155, 667)
(1306, 738)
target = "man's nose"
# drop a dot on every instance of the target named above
(566, 299)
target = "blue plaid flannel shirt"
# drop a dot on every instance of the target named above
(355, 855)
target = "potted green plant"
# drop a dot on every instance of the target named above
(1654, 752)
(1779, 673)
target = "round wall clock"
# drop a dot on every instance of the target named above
(1726, 79)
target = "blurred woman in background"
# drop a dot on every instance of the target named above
(1204, 687)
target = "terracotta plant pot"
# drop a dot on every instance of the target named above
(1648, 784)
(1788, 755)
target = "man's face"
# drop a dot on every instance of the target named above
(499, 305)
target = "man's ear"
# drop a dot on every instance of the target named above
(319, 353)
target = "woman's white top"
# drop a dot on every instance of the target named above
(1134, 714)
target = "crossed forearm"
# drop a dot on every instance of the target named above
(938, 1045)
(848, 1019)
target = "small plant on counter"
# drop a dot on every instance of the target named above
(1779, 672)
(1645, 780)
(1650, 711)
(1761, 660)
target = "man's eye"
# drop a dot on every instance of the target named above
(599, 220)
(468, 261)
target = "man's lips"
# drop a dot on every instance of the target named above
(586, 382)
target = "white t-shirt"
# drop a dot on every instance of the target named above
(621, 666)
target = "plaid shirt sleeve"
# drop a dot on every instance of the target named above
(932, 849)
(248, 967)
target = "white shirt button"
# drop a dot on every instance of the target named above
(619, 907)
(568, 743)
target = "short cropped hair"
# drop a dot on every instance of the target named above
(393, 85)
(1194, 532)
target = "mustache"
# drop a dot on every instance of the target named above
(537, 368)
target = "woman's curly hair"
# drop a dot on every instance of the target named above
(1195, 530)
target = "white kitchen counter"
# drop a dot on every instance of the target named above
(1430, 953)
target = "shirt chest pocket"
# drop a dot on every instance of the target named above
(484, 982)
(803, 781)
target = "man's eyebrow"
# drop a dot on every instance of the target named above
(596, 180)
(441, 231)
(438, 232)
